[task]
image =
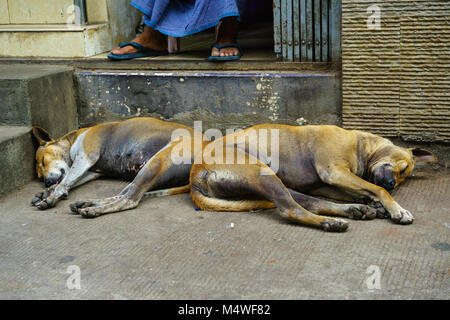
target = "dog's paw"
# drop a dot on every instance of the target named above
(48, 198)
(46, 203)
(89, 213)
(97, 207)
(80, 204)
(85, 208)
(38, 197)
(402, 217)
(334, 225)
(361, 212)
(381, 212)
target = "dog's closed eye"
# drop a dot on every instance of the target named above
(403, 166)
(403, 170)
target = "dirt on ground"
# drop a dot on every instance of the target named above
(166, 249)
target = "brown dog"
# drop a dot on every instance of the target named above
(319, 160)
(328, 161)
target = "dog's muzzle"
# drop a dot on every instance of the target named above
(54, 178)
(384, 177)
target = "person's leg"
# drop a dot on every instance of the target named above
(149, 38)
(227, 33)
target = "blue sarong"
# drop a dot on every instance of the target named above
(179, 18)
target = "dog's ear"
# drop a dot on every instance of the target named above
(422, 155)
(41, 135)
(68, 136)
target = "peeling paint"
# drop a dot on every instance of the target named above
(226, 104)
(266, 97)
(301, 121)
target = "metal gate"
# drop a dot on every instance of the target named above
(307, 30)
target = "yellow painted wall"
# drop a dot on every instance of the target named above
(396, 80)
(37, 44)
(39, 11)
(4, 12)
(97, 11)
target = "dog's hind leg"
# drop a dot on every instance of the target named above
(340, 195)
(216, 187)
(157, 172)
(323, 207)
(81, 204)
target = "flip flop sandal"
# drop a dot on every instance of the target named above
(143, 52)
(229, 58)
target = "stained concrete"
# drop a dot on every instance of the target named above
(165, 249)
(40, 95)
(220, 99)
(16, 154)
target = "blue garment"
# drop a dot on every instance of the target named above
(179, 18)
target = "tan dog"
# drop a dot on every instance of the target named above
(319, 160)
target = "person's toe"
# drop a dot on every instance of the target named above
(124, 50)
(115, 50)
(215, 52)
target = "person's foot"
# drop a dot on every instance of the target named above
(149, 38)
(227, 34)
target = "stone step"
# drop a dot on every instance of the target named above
(16, 157)
(40, 95)
(55, 40)
(221, 99)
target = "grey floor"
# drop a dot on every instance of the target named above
(165, 249)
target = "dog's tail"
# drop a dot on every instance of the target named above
(216, 204)
(167, 192)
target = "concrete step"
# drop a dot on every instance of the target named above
(37, 28)
(221, 99)
(55, 40)
(16, 157)
(40, 95)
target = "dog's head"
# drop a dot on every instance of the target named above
(52, 157)
(390, 165)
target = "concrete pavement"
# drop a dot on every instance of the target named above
(165, 249)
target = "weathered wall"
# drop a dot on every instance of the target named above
(4, 12)
(221, 100)
(396, 80)
(30, 28)
(39, 95)
(123, 19)
(38, 11)
(97, 11)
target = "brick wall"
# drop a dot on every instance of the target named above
(396, 80)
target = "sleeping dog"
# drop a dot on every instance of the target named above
(322, 160)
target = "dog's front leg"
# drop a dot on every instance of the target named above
(87, 177)
(343, 178)
(51, 196)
